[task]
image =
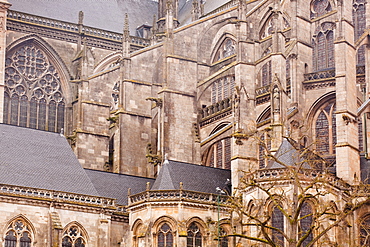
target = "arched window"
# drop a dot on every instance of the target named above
(194, 238)
(33, 93)
(266, 76)
(277, 221)
(222, 89)
(320, 8)
(73, 236)
(325, 127)
(224, 240)
(323, 47)
(18, 234)
(226, 49)
(365, 231)
(165, 236)
(220, 154)
(359, 21)
(306, 221)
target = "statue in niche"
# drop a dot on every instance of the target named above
(276, 99)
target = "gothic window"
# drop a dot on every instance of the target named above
(266, 74)
(73, 236)
(365, 231)
(268, 28)
(226, 49)
(222, 89)
(165, 236)
(220, 154)
(33, 93)
(224, 241)
(194, 238)
(18, 233)
(320, 8)
(306, 221)
(359, 21)
(115, 97)
(323, 48)
(325, 127)
(277, 221)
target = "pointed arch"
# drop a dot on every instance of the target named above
(108, 61)
(225, 47)
(75, 235)
(19, 229)
(36, 80)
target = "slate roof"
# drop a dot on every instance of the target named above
(194, 177)
(115, 185)
(40, 159)
(104, 14)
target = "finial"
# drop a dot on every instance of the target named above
(148, 186)
(166, 159)
(126, 30)
(80, 17)
(181, 186)
(129, 192)
(61, 132)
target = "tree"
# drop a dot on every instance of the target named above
(296, 200)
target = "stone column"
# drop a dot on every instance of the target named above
(347, 153)
(4, 6)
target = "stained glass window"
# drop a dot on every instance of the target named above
(18, 234)
(220, 154)
(194, 238)
(319, 8)
(33, 90)
(222, 88)
(223, 238)
(365, 231)
(266, 74)
(325, 128)
(165, 236)
(73, 236)
(359, 22)
(226, 49)
(323, 47)
(277, 219)
(306, 222)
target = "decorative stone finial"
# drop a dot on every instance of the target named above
(80, 17)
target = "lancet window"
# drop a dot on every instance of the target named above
(359, 22)
(220, 154)
(306, 221)
(266, 76)
(320, 8)
(33, 94)
(18, 233)
(325, 128)
(224, 241)
(222, 89)
(365, 231)
(226, 49)
(165, 236)
(73, 236)
(194, 238)
(277, 221)
(323, 47)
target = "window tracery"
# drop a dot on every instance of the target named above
(320, 8)
(73, 236)
(222, 89)
(359, 22)
(220, 154)
(268, 28)
(18, 233)
(325, 127)
(323, 47)
(33, 93)
(226, 49)
(115, 97)
(165, 236)
(365, 231)
(194, 237)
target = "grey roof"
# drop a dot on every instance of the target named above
(116, 186)
(287, 154)
(194, 177)
(104, 14)
(40, 159)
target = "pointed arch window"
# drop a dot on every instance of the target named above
(277, 222)
(226, 49)
(306, 221)
(220, 154)
(359, 22)
(165, 236)
(18, 233)
(73, 236)
(222, 89)
(33, 92)
(325, 127)
(266, 77)
(194, 237)
(224, 240)
(323, 47)
(365, 231)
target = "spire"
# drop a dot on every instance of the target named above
(126, 38)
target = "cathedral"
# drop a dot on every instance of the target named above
(130, 122)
